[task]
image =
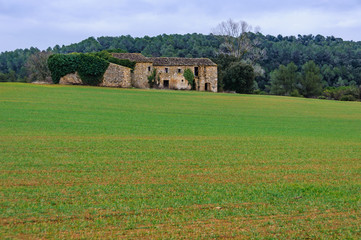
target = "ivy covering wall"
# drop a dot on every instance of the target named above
(90, 66)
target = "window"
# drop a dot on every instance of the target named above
(179, 70)
(166, 70)
(196, 71)
(149, 69)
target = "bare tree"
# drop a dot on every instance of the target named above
(37, 67)
(236, 41)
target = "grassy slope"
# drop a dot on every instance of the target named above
(90, 162)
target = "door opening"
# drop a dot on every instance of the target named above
(207, 87)
(166, 83)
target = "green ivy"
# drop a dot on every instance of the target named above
(109, 57)
(90, 66)
(189, 76)
(91, 69)
(62, 64)
(152, 78)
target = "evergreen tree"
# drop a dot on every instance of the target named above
(239, 77)
(284, 79)
(311, 81)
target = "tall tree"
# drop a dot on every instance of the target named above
(284, 79)
(37, 67)
(311, 81)
(235, 38)
(239, 77)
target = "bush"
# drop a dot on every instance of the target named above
(152, 79)
(295, 93)
(109, 57)
(348, 98)
(189, 76)
(62, 64)
(322, 97)
(90, 66)
(338, 93)
(91, 69)
(239, 77)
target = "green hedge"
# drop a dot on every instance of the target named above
(109, 57)
(343, 93)
(90, 66)
(61, 65)
(91, 69)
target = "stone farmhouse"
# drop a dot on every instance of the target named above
(169, 72)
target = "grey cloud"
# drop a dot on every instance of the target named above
(43, 23)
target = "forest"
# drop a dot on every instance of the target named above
(334, 62)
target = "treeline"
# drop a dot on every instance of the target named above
(338, 61)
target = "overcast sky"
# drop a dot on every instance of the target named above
(44, 23)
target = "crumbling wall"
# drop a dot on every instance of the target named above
(71, 79)
(117, 76)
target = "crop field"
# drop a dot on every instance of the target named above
(86, 162)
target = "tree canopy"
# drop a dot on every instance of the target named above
(339, 61)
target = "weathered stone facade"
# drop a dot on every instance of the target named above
(71, 79)
(114, 76)
(117, 76)
(140, 75)
(169, 71)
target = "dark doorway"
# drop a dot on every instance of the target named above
(207, 87)
(166, 83)
(196, 71)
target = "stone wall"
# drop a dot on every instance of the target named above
(117, 76)
(71, 79)
(211, 77)
(140, 75)
(174, 76)
(120, 76)
(205, 81)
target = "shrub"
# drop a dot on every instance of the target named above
(338, 93)
(90, 66)
(91, 69)
(189, 76)
(152, 78)
(109, 57)
(295, 93)
(239, 77)
(348, 98)
(62, 64)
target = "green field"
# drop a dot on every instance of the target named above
(88, 162)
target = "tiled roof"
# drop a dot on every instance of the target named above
(172, 61)
(165, 61)
(135, 57)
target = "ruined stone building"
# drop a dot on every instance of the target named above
(169, 73)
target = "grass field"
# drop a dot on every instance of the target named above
(87, 162)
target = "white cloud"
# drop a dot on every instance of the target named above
(44, 23)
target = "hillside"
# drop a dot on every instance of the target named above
(338, 60)
(90, 162)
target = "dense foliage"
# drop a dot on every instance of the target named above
(62, 64)
(284, 79)
(349, 93)
(37, 67)
(106, 55)
(339, 61)
(239, 77)
(89, 67)
(152, 79)
(189, 76)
